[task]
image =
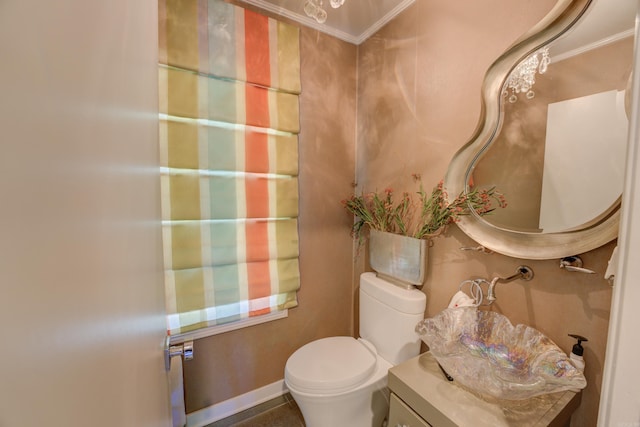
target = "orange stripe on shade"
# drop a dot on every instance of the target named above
(257, 194)
(257, 106)
(256, 154)
(258, 273)
(257, 238)
(256, 35)
(258, 68)
(260, 312)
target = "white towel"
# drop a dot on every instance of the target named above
(178, 411)
(613, 266)
(460, 299)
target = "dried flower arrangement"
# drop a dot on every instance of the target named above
(380, 212)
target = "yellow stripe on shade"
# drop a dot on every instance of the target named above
(181, 28)
(289, 57)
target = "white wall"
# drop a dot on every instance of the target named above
(81, 293)
(620, 402)
(584, 152)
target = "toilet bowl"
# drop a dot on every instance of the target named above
(342, 381)
(337, 379)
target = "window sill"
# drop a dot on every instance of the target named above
(215, 330)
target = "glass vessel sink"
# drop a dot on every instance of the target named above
(485, 353)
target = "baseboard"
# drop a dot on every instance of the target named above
(225, 409)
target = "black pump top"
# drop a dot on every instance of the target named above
(577, 347)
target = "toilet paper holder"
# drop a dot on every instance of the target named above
(185, 350)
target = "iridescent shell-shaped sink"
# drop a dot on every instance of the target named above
(485, 353)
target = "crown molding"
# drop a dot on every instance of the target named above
(337, 33)
(598, 43)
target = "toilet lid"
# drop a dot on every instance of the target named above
(332, 364)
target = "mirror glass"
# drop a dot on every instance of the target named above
(559, 156)
(553, 135)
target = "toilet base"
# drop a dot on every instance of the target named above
(365, 406)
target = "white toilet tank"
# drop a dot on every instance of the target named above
(388, 317)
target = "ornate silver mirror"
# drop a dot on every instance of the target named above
(553, 134)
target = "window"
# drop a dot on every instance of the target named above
(229, 123)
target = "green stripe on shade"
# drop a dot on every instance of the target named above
(224, 243)
(222, 148)
(222, 99)
(222, 40)
(227, 284)
(223, 197)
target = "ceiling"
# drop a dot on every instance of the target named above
(605, 21)
(353, 22)
(357, 20)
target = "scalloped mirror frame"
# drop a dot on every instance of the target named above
(517, 244)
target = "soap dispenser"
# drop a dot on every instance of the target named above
(576, 352)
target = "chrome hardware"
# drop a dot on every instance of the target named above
(185, 350)
(522, 272)
(445, 373)
(477, 249)
(475, 285)
(574, 264)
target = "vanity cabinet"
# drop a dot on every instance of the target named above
(421, 396)
(400, 415)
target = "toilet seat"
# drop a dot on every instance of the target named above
(330, 365)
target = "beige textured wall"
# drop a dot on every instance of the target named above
(418, 84)
(418, 102)
(234, 363)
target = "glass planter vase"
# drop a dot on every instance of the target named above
(398, 259)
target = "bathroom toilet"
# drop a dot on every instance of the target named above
(342, 381)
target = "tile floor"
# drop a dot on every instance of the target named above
(279, 412)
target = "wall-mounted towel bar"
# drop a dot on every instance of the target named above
(574, 264)
(477, 249)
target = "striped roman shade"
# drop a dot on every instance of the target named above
(229, 119)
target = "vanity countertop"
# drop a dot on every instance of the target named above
(421, 385)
